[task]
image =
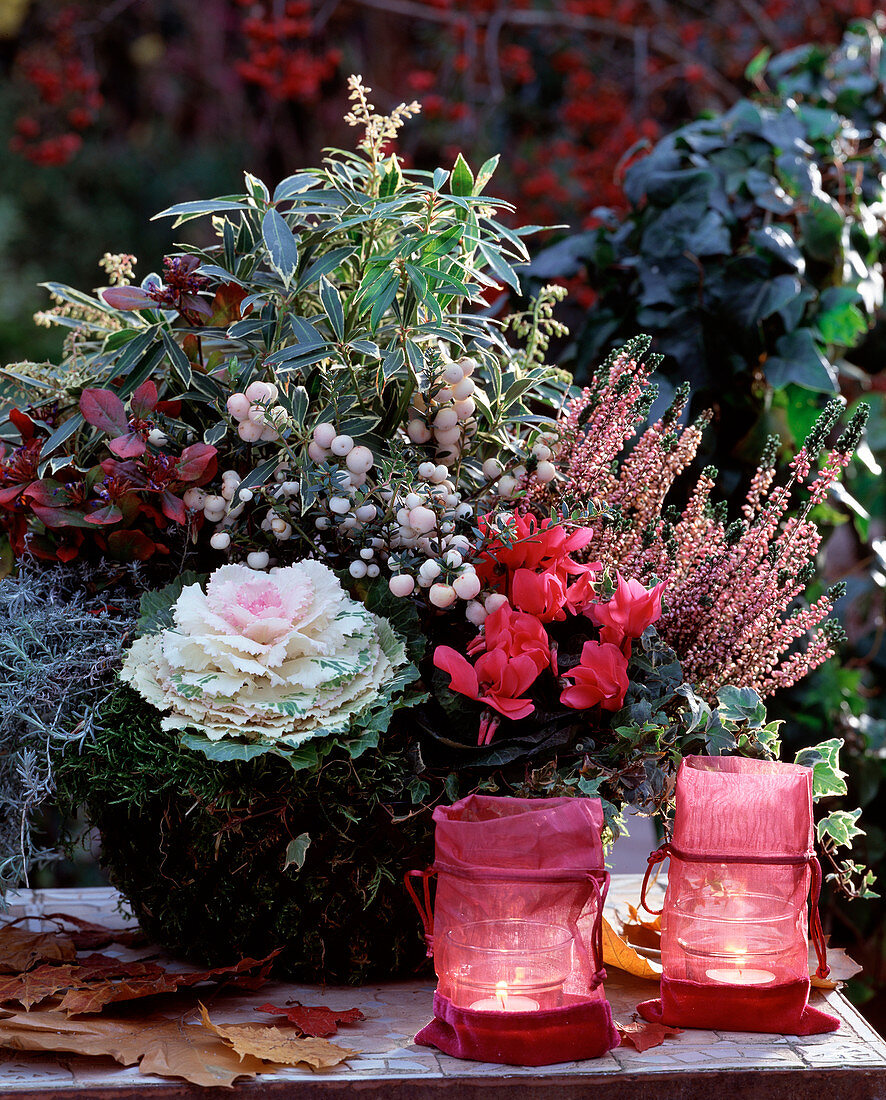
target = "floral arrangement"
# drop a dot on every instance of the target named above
(420, 558)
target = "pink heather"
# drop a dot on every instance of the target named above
(730, 603)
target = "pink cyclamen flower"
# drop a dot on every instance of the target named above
(525, 543)
(516, 634)
(539, 594)
(631, 609)
(601, 678)
(580, 595)
(496, 679)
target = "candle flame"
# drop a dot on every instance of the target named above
(501, 992)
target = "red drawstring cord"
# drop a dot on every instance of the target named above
(658, 856)
(815, 931)
(425, 911)
(597, 929)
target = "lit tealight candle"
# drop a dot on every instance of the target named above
(504, 1001)
(741, 976)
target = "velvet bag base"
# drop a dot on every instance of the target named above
(780, 1010)
(576, 1031)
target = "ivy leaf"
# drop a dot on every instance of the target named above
(841, 826)
(824, 760)
(737, 705)
(296, 850)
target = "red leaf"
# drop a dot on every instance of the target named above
(173, 507)
(196, 461)
(130, 546)
(89, 936)
(645, 1034)
(23, 423)
(130, 445)
(9, 494)
(108, 513)
(169, 408)
(144, 400)
(318, 1021)
(193, 303)
(126, 297)
(104, 410)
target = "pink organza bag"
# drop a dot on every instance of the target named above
(516, 931)
(734, 943)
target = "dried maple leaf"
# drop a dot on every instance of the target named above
(639, 932)
(842, 968)
(273, 1044)
(159, 1045)
(95, 997)
(616, 952)
(90, 937)
(20, 950)
(44, 981)
(318, 1020)
(643, 1034)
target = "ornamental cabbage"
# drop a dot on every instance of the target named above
(286, 656)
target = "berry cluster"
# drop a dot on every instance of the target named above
(63, 92)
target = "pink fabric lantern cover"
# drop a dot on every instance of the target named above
(516, 931)
(734, 945)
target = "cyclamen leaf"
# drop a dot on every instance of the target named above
(104, 410)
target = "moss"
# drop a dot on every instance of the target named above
(198, 848)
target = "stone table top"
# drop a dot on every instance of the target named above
(847, 1065)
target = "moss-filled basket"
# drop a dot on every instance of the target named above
(221, 860)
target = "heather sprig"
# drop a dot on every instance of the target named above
(735, 608)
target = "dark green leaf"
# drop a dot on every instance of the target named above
(281, 244)
(177, 359)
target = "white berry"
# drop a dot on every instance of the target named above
(442, 595)
(401, 584)
(341, 445)
(324, 435)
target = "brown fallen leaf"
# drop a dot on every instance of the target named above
(87, 936)
(274, 1045)
(618, 953)
(47, 979)
(643, 1034)
(640, 932)
(842, 968)
(159, 1045)
(20, 950)
(94, 998)
(318, 1020)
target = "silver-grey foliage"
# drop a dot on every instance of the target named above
(60, 648)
